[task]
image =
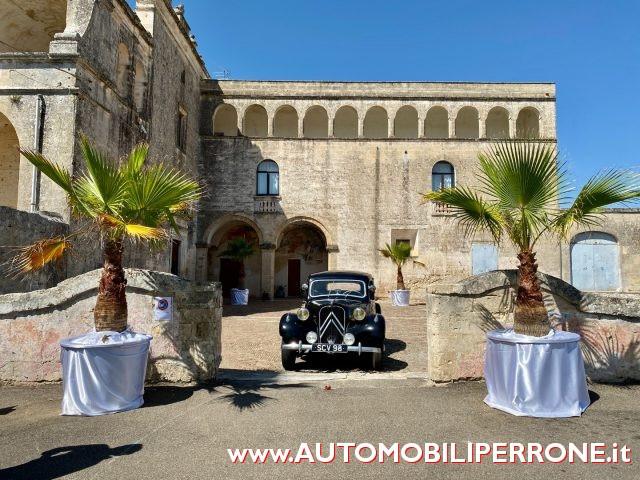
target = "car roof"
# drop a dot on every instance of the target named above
(342, 274)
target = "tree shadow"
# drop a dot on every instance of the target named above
(7, 410)
(159, 395)
(250, 394)
(62, 461)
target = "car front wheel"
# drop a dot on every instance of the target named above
(376, 361)
(288, 359)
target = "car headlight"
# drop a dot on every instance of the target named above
(359, 313)
(349, 339)
(312, 337)
(303, 313)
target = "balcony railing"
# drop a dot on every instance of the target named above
(266, 205)
(442, 209)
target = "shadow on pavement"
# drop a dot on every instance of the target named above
(260, 306)
(7, 410)
(62, 461)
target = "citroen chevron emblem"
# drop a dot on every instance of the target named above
(332, 319)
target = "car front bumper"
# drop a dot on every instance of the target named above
(306, 348)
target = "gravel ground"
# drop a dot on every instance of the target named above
(250, 339)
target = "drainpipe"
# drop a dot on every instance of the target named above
(37, 146)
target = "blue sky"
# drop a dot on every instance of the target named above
(591, 49)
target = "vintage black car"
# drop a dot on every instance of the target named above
(339, 315)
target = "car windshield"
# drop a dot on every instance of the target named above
(346, 288)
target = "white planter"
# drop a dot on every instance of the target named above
(239, 296)
(103, 372)
(400, 298)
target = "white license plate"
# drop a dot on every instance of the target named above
(329, 348)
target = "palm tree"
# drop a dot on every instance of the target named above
(119, 201)
(522, 186)
(399, 253)
(238, 249)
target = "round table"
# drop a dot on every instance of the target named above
(535, 376)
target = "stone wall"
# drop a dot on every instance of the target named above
(459, 316)
(185, 349)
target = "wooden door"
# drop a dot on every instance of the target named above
(293, 281)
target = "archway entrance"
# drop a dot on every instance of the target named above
(301, 251)
(226, 269)
(9, 164)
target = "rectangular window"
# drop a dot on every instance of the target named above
(181, 130)
(175, 256)
(268, 183)
(403, 241)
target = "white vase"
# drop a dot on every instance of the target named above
(400, 298)
(239, 296)
(103, 372)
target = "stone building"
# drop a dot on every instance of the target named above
(315, 175)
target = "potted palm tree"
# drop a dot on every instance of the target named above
(239, 249)
(522, 188)
(117, 202)
(399, 253)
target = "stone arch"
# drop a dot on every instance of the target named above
(345, 122)
(9, 163)
(256, 121)
(226, 270)
(436, 124)
(376, 123)
(300, 251)
(225, 121)
(285, 122)
(139, 86)
(467, 123)
(528, 123)
(497, 123)
(595, 261)
(405, 124)
(30, 25)
(123, 60)
(315, 123)
(302, 219)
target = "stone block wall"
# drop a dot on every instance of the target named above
(185, 349)
(460, 315)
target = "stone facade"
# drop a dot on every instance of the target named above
(185, 349)
(458, 317)
(117, 75)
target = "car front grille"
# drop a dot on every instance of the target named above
(332, 325)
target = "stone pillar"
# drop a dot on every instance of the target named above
(330, 127)
(202, 260)
(360, 126)
(421, 123)
(452, 127)
(482, 126)
(270, 120)
(332, 257)
(512, 127)
(239, 119)
(267, 281)
(391, 127)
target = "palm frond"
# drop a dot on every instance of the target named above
(56, 173)
(238, 249)
(602, 190)
(472, 211)
(398, 253)
(34, 257)
(136, 159)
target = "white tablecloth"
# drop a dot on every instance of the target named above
(535, 376)
(103, 372)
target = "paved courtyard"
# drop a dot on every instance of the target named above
(183, 433)
(250, 339)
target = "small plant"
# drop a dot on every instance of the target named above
(121, 200)
(238, 249)
(15, 99)
(399, 253)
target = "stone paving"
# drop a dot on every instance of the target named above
(250, 339)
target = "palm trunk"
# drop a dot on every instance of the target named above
(110, 312)
(241, 275)
(400, 279)
(530, 316)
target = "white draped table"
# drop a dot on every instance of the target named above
(535, 376)
(103, 372)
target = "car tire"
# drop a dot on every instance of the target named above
(376, 361)
(288, 359)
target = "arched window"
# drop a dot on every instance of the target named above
(255, 121)
(405, 124)
(467, 125)
(285, 122)
(528, 123)
(140, 86)
(345, 123)
(497, 123)
(268, 181)
(316, 123)
(122, 70)
(442, 176)
(9, 164)
(437, 123)
(225, 121)
(376, 123)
